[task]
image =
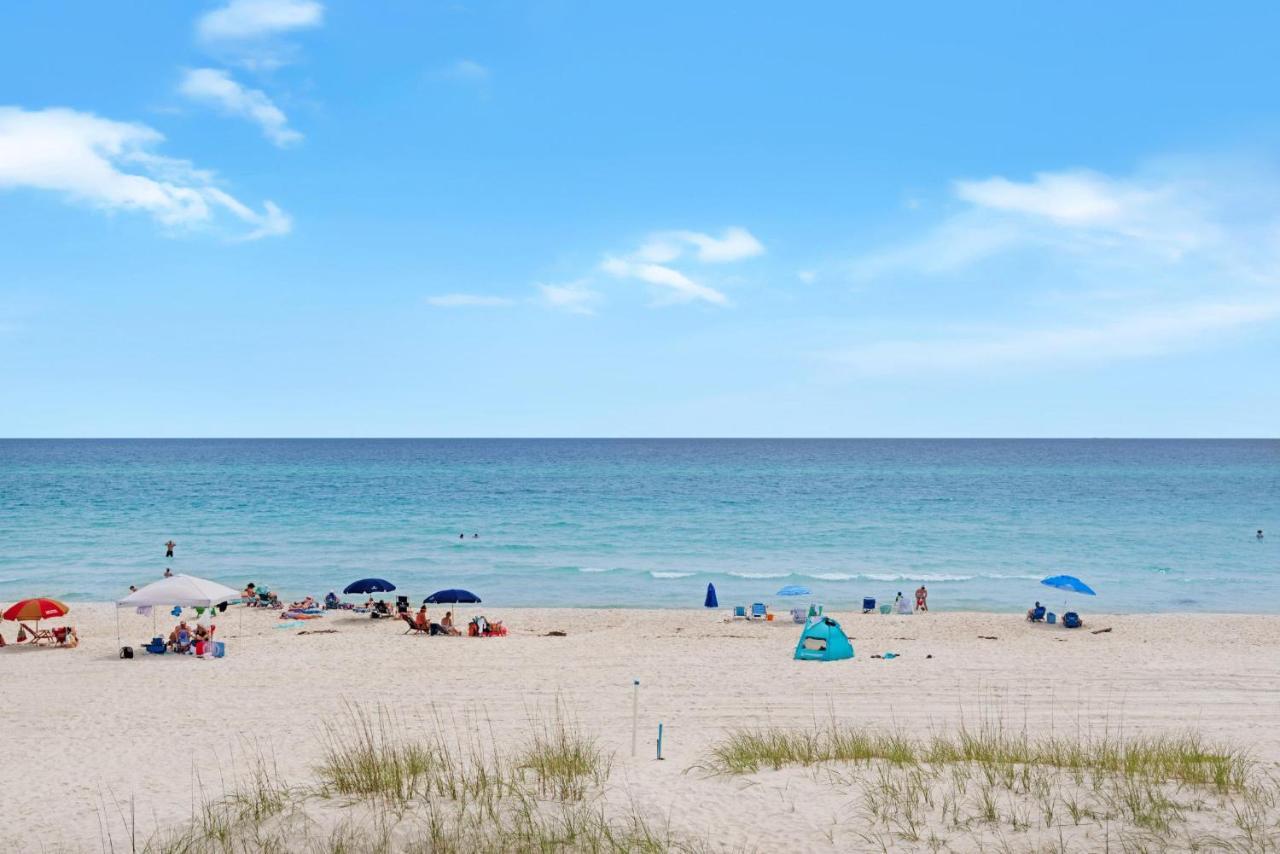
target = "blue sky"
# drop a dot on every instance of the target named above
(303, 218)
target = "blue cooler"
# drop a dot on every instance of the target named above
(1051, 618)
(219, 649)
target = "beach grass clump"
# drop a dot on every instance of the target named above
(368, 754)
(1184, 758)
(561, 760)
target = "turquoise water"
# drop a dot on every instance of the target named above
(1160, 525)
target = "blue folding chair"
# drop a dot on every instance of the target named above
(758, 611)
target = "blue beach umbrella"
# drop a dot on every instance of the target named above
(793, 590)
(711, 601)
(369, 585)
(452, 597)
(1069, 582)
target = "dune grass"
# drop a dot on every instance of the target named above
(1184, 758)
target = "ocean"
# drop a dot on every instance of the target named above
(1159, 525)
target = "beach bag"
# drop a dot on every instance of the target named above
(219, 649)
(126, 652)
(22, 633)
(473, 630)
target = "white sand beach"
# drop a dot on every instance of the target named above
(91, 739)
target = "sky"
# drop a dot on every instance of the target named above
(339, 218)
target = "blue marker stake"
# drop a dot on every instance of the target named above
(659, 742)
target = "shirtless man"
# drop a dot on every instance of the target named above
(173, 636)
(922, 599)
(168, 548)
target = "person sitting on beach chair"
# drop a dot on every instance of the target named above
(446, 625)
(380, 609)
(418, 624)
(180, 638)
(1036, 614)
(331, 600)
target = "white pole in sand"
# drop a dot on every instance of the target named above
(635, 714)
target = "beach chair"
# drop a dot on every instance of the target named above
(1037, 614)
(799, 615)
(402, 604)
(1071, 620)
(868, 604)
(414, 628)
(759, 611)
(157, 646)
(739, 612)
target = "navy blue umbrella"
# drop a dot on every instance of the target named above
(1069, 582)
(369, 585)
(711, 601)
(451, 597)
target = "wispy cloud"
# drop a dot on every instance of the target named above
(110, 165)
(679, 287)
(216, 87)
(1143, 265)
(465, 70)
(468, 301)
(653, 262)
(574, 297)
(1139, 334)
(253, 19)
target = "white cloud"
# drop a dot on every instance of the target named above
(468, 301)
(466, 69)
(251, 19)
(574, 297)
(652, 262)
(109, 165)
(216, 87)
(807, 276)
(681, 287)
(1168, 258)
(735, 244)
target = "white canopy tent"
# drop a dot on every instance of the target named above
(185, 590)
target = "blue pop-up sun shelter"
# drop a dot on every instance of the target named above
(823, 640)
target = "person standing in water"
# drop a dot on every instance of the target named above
(168, 573)
(168, 548)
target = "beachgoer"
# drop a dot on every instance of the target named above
(922, 598)
(250, 592)
(475, 536)
(462, 536)
(175, 639)
(133, 588)
(1031, 612)
(447, 624)
(331, 600)
(168, 548)
(422, 621)
(168, 573)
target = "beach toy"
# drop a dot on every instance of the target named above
(177, 611)
(889, 655)
(291, 624)
(884, 609)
